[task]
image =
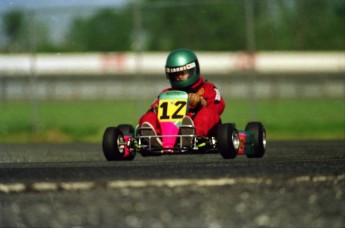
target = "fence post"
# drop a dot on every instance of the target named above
(33, 73)
(250, 43)
(138, 49)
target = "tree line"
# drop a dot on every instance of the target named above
(159, 25)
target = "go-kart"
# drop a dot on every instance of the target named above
(124, 141)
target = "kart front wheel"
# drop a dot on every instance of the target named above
(228, 141)
(259, 139)
(114, 145)
(126, 129)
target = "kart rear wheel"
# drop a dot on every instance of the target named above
(259, 139)
(228, 141)
(114, 145)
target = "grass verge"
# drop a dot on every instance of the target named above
(85, 121)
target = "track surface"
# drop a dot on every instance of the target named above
(295, 184)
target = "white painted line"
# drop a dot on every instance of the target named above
(303, 179)
(12, 187)
(321, 178)
(172, 183)
(44, 186)
(74, 186)
(340, 178)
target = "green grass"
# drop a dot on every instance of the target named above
(85, 121)
(293, 119)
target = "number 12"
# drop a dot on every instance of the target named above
(175, 115)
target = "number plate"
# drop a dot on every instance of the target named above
(172, 106)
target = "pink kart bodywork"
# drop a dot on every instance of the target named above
(170, 130)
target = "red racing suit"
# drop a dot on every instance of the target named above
(204, 118)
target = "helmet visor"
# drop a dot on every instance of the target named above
(180, 73)
(180, 76)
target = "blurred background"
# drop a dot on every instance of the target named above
(69, 69)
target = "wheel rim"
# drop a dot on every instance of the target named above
(264, 139)
(120, 144)
(235, 140)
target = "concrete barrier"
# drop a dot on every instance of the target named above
(122, 75)
(79, 64)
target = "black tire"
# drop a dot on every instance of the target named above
(259, 139)
(112, 144)
(228, 141)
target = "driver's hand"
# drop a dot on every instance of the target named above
(194, 99)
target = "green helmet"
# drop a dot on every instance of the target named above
(182, 61)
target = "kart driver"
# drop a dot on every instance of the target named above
(206, 104)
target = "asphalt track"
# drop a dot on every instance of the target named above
(296, 184)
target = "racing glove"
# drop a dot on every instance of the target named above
(195, 100)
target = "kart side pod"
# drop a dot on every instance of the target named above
(246, 145)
